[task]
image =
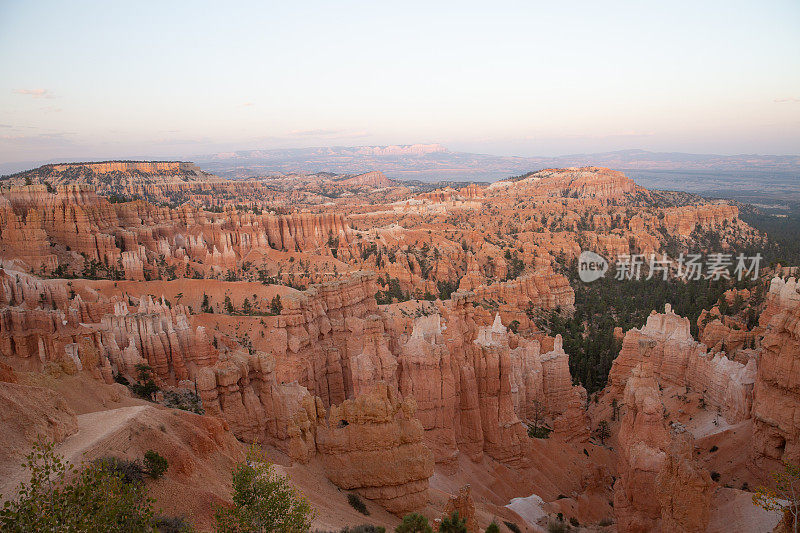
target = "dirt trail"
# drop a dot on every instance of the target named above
(92, 428)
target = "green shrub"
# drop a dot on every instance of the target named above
(492, 528)
(414, 523)
(172, 524)
(184, 400)
(56, 498)
(357, 503)
(262, 501)
(364, 528)
(539, 432)
(275, 306)
(146, 385)
(155, 464)
(129, 471)
(453, 524)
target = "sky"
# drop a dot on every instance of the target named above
(116, 80)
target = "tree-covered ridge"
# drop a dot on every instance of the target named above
(601, 306)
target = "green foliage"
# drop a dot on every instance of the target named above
(206, 306)
(364, 528)
(59, 499)
(392, 291)
(127, 470)
(600, 306)
(453, 524)
(263, 501)
(446, 289)
(782, 245)
(155, 464)
(602, 432)
(539, 432)
(275, 305)
(492, 528)
(184, 400)
(514, 265)
(93, 269)
(785, 496)
(146, 385)
(357, 503)
(172, 524)
(414, 523)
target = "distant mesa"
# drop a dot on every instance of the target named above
(370, 179)
(76, 172)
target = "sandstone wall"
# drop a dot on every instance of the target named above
(642, 440)
(776, 403)
(678, 359)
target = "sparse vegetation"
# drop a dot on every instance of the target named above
(453, 524)
(414, 523)
(146, 386)
(155, 464)
(556, 525)
(784, 496)
(357, 503)
(59, 498)
(602, 432)
(262, 501)
(172, 524)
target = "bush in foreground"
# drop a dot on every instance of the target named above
(59, 499)
(263, 501)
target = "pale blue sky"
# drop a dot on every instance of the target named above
(169, 79)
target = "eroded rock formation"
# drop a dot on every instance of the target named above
(684, 489)
(642, 438)
(676, 358)
(776, 430)
(373, 444)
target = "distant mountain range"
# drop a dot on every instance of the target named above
(434, 161)
(747, 176)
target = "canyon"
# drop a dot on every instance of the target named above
(384, 341)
